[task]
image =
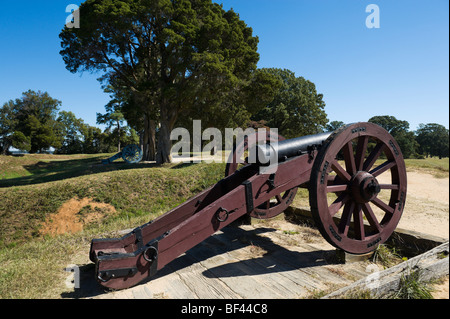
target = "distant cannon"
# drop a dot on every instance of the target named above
(131, 154)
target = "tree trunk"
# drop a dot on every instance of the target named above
(164, 144)
(168, 119)
(118, 131)
(4, 149)
(149, 140)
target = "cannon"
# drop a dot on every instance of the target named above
(131, 154)
(356, 178)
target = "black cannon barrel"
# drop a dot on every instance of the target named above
(273, 153)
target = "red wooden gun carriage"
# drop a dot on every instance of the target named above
(338, 168)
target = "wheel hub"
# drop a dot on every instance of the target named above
(364, 187)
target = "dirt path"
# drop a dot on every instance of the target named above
(427, 205)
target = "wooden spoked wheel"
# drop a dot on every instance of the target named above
(239, 158)
(358, 187)
(132, 154)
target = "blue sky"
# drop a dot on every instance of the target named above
(400, 69)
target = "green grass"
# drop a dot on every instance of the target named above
(411, 287)
(438, 167)
(386, 256)
(43, 168)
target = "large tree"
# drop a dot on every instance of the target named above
(8, 122)
(297, 109)
(390, 123)
(334, 125)
(71, 129)
(112, 117)
(29, 123)
(239, 107)
(400, 131)
(167, 56)
(433, 139)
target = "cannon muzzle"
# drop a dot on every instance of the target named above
(264, 154)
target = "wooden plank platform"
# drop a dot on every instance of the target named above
(250, 262)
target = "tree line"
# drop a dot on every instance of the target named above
(427, 141)
(33, 123)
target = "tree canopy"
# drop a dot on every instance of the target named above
(400, 131)
(390, 123)
(32, 123)
(297, 109)
(167, 56)
(29, 123)
(433, 139)
(112, 118)
(334, 125)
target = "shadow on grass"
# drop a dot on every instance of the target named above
(55, 170)
(183, 165)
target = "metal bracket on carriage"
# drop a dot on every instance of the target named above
(107, 275)
(312, 151)
(125, 261)
(271, 181)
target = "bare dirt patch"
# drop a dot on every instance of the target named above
(74, 214)
(427, 205)
(441, 289)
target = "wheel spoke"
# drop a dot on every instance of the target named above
(361, 151)
(376, 152)
(371, 218)
(380, 204)
(359, 223)
(382, 168)
(337, 188)
(340, 171)
(344, 225)
(389, 186)
(338, 203)
(279, 198)
(349, 158)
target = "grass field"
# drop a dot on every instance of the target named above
(437, 167)
(33, 187)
